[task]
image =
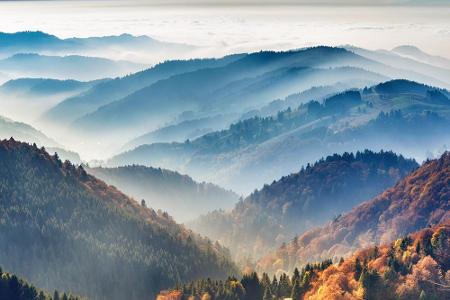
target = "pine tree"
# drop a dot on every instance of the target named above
(296, 290)
(267, 294)
(296, 275)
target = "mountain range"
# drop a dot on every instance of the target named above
(104, 93)
(404, 116)
(115, 114)
(254, 79)
(257, 78)
(142, 49)
(133, 168)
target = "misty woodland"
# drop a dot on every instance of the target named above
(224, 150)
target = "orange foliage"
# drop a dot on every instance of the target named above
(169, 295)
(339, 282)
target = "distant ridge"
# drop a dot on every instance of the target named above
(179, 195)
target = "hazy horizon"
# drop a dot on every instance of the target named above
(229, 29)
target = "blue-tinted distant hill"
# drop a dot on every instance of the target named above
(235, 86)
(65, 67)
(106, 46)
(405, 116)
(184, 130)
(44, 87)
(421, 70)
(418, 54)
(107, 92)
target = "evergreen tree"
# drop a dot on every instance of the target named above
(252, 286)
(267, 294)
(296, 275)
(296, 290)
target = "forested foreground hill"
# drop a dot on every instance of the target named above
(179, 195)
(64, 229)
(419, 200)
(413, 267)
(296, 202)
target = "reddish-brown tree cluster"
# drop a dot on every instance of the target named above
(419, 200)
(413, 267)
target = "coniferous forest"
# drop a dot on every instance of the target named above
(66, 229)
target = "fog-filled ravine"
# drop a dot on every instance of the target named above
(232, 150)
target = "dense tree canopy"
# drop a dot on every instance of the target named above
(413, 267)
(64, 229)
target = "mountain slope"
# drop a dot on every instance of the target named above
(301, 200)
(27, 98)
(182, 131)
(418, 70)
(24, 132)
(416, 53)
(64, 229)
(417, 201)
(179, 195)
(107, 92)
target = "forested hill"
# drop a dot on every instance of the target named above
(295, 203)
(179, 195)
(64, 229)
(419, 200)
(412, 267)
(399, 115)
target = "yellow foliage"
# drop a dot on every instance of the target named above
(206, 296)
